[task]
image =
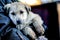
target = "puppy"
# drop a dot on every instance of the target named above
(22, 17)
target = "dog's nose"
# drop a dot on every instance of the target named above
(18, 22)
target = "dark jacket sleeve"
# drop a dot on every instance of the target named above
(4, 20)
(4, 2)
(9, 1)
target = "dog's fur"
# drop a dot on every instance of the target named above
(22, 17)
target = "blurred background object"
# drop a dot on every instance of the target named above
(31, 2)
(37, 2)
(46, 1)
(58, 9)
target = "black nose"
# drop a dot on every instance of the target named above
(18, 22)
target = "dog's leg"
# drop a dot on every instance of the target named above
(30, 32)
(37, 22)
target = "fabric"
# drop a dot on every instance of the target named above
(14, 34)
(4, 2)
(4, 21)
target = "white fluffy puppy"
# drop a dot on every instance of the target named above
(22, 17)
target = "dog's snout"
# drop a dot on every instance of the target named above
(18, 22)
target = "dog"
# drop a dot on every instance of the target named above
(22, 16)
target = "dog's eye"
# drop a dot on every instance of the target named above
(21, 12)
(13, 13)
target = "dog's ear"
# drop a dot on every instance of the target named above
(7, 8)
(28, 7)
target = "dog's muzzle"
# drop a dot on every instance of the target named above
(18, 22)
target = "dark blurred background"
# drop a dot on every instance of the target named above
(49, 14)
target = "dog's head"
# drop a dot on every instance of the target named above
(17, 11)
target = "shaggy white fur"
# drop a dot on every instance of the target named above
(18, 13)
